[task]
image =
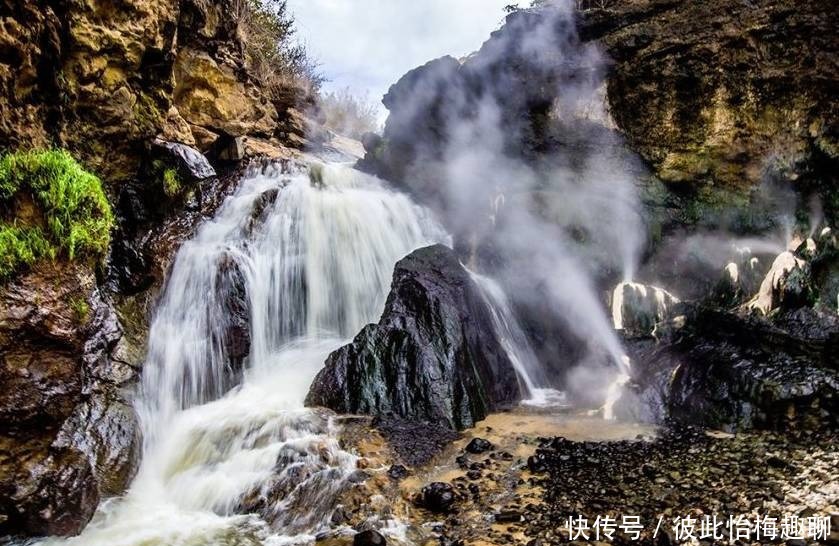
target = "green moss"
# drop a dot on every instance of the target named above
(147, 114)
(77, 218)
(20, 247)
(171, 182)
(80, 307)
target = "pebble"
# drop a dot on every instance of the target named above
(479, 445)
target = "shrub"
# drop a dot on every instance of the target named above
(348, 114)
(277, 60)
(75, 216)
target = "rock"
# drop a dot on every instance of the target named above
(721, 132)
(734, 372)
(710, 149)
(478, 445)
(235, 312)
(369, 538)
(740, 281)
(437, 497)
(637, 308)
(786, 286)
(176, 129)
(103, 81)
(433, 356)
(371, 141)
(415, 443)
(825, 271)
(508, 516)
(233, 150)
(191, 163)
(66, 425)
(397, 472)
(536, 463)
(210, 94)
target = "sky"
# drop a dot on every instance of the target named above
(367, 45)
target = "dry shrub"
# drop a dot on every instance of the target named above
(349, 114)
(277, 60)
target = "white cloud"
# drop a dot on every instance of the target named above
(367, 45)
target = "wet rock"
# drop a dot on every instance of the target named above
(433, 356)
(536, 463)
(191, 164)
(415, 443)
(508, 516)
(236, 332)
(786, 286)
(637, 308)
(397, 472)
(479, 445)
(68, 431)
(731, 371)
(369, 538)
(437, 497)
(740, 281)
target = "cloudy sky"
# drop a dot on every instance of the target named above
(367, 45)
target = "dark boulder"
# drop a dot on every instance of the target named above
(369, 538)
(68, 434)
(479, 445)
(726, 370)
(437, 497)
(397, 472)
(235, 312)
(433, 356)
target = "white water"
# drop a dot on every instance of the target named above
(532, 379)
(316, 267)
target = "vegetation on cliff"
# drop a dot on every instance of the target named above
(51, 206)
(277, 60)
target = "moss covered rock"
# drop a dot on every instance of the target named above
(51, 206)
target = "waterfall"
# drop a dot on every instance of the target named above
(530, 372)
(292, 265)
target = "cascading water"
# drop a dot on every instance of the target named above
(310, 262)
(532, 377)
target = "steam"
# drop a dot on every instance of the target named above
(546, 223)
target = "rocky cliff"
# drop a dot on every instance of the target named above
(725, 93)
(135, 91)
(103, 78)
(730, 104)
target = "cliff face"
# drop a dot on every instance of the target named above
(68, 435)
(723, 92)
(103, 78)
(722, 100)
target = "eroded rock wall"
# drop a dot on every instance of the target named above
(102, 78)
(68, 434)
(729, 104)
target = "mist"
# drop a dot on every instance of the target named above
(552, 224)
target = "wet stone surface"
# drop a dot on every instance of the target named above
(543, 469)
